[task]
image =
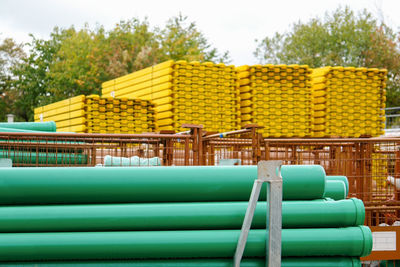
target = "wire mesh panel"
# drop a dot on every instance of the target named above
(372, 165)
(56, 150)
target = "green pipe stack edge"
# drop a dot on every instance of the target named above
(28, 127)
(39, 155)
(172, 216)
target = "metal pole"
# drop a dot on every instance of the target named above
(274, 217)
(248, 218)
(267, 172)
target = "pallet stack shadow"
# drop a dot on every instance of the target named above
(348, 101)
(277, 97)
(184, 92)
(95, 114)
(173, 216)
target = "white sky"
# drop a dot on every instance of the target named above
(228, 25)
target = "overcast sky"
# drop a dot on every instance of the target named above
(228, 25)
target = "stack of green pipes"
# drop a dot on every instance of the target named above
(28, 127)
(39, 154)
(172, 216)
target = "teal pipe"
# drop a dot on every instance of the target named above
(350, 241)
(286, 262)
(132, 161)
(49, 126)
(175, 216)
(389, 263)
(30, 157)
(150, 184)
(339, 178)
(335, 189)
(12, 130)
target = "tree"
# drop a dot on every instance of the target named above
(385, 53)
(132, 45)
(77, 66)
(11, 54)
(32, 81)
(342, 38)
(180, 40)
(74, 62)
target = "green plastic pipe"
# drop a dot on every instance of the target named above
(49, 126)
(335, 189)
(286, 262)
(350, 241)
(12, 130)
(150, 184)
(132, 161)
(175, 216)
(339, 178)
(389, 263)
(43, 157)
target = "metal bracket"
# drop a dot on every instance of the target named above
(266, 173)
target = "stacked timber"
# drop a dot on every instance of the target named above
(184, 92)
(95, 114)
(277, 97)
(68, 114)
(110, 115)
(348, 101)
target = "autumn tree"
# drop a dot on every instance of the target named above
(132, 45)
(342, 38)
(73, 62)
(11, 54)
(181, 40)
(32, 80)
(78, 64)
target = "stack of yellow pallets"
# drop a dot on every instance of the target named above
(277, 97)
(68, 114)
(94, 114)
(348, 101)
(184, 92)
(379, 167)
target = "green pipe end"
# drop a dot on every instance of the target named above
(360, 211)
(52, 126)
(335, 189)
(313, 175)
(367, 236)
(339, 178)
(356, 262)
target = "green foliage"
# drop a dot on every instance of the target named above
(181, 40)
(32, 83)
(75, 68)
(11, 54)
(131, 46)
(342, 38)
(74, 62)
